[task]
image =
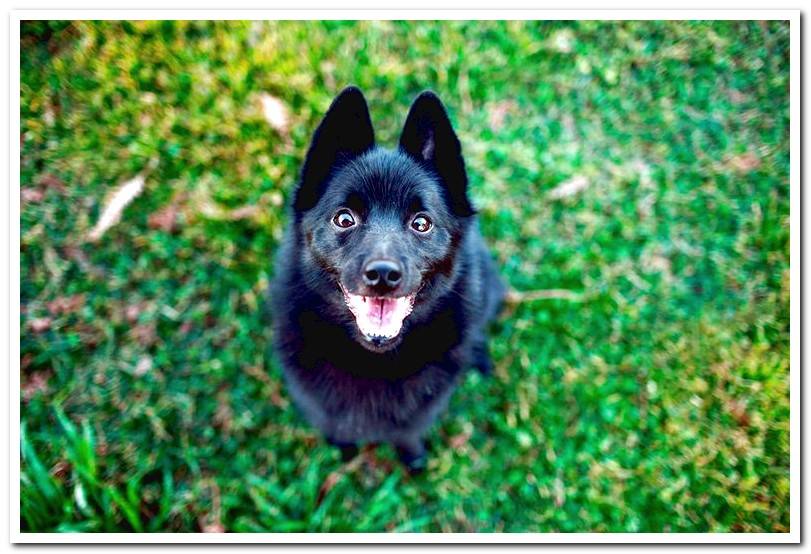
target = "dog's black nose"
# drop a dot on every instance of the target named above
(383, 275)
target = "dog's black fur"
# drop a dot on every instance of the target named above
(353, 388)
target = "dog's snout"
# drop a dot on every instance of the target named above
(383, 275)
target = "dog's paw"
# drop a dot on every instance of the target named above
(416, 465)
(414, 458)
(348, 450)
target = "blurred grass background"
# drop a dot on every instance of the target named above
(642, 164)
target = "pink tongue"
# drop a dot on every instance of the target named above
(382, 317)
(378, 315)
(380, 308)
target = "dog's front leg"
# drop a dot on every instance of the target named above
(411, 452)
(348, 449)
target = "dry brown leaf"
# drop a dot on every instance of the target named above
(90, 335)
(328, 484)
(212, 521)
(458, 441)
(223, 415)
(63, 305)
(145, 334)
(29, 195)
(51, 181)
(132, 311)
(276, 112)
(738, 411)
(214, 211)
(37, 382)
(40, 324)
(745, 162)
(114, 207)
(165, 219)
(186, 327)
(498, 113)
(518, 296)
(559, 489)
(215, 527)
(243, 212)
(563, 41)
(61, 469)
(736, 96)
(143, 366)
(569, 187)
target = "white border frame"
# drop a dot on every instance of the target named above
(794, 536)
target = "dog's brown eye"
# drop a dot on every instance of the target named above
(421, 224)
(343, 219)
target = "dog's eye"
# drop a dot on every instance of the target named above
(343, 219)
(421, 224)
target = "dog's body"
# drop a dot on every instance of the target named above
(383, 286)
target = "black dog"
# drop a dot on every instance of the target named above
(383, 285)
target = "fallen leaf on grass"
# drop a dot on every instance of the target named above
(275, 112)
(224, 415)
(458, 441)
(132, 311)
(212, 521)
(328, 484)
(243, 212)
(145, 334)
(745, 162)
(738, 411)
(63, 305)
(498, 113)
(61, 469)
(30, 195)
(164, 219)
(569, 187)
(51, 181)
(736, 96)
(563, 41)
(143, 366)
(519, 296)
(559, 489)
(37, 382)
(236, 214)
(215, 527)
(186, 328)
(209, 209)
(40, 324)
(113, 209)
(89, 335)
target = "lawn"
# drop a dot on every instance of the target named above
(641, 166)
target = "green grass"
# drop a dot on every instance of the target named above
(657, 402)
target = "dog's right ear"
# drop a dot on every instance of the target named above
(344, 133)
(429, 138)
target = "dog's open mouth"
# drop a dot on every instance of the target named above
(379, 318)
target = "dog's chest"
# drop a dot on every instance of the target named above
(349, 408)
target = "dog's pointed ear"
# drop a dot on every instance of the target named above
(428, 137)
(344, 133)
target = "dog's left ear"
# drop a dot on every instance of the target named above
(429, 138)
(345, 133)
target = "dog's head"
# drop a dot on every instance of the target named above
(381, 228)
